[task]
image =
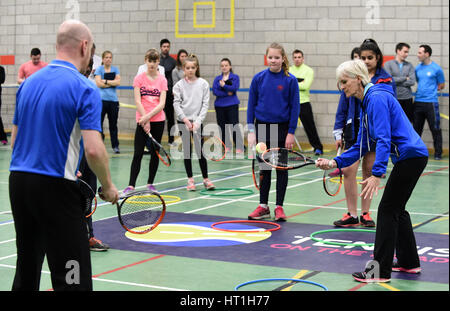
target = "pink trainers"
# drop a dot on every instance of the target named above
(279, 214)
(259, 213)
(191, 184)
(127, 190)
(208, 184)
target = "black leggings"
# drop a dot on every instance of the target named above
(187, 148)
(273, 135)
(111, 109)
(141, 140)
(49, 221)
(394, 230)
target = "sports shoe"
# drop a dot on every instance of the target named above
(318, 152)
(4, 142)
(334, 173)
(151, 188)
(396, 268)
(347, 221)
(259, 213)
(438, 157)
(208, 184)
(190, 184)
(116, 150)
(366, 220)
(127, 189)
(97, 246)
(365, 278)
(279, 214)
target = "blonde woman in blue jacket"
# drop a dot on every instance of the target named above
(385, 127)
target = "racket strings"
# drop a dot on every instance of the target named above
(139, 212)
(283, 158)
(214, 149)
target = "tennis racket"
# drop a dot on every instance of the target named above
(214, 148)
(256, 170)
(141, 211)
(160, 151)
(332, 179)
(285, 159)
(90, 200)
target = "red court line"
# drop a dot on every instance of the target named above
(123, 267)
(127, 266)
(357, 287)
(316, 208)
(439, 169)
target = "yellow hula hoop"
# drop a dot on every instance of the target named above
(336, 179)
(168, 199)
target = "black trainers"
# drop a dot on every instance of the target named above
(396, 268)
(363, 277)
(97, 246)
(366, 220)
(347, 221)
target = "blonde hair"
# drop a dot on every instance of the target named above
(193, 59)
(285, 65)
(353, 69)
(152, 55)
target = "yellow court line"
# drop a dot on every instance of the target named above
(440, 219)
(389, 287)
(299, 275)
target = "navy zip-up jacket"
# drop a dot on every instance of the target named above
(384, 122)
(274, 98)
(221, 93)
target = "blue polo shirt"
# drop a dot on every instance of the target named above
(52, 107)
(108, 93)
(428, 77)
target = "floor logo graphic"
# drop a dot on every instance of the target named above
(199, 234)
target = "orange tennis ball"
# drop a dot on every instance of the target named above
(261, 147)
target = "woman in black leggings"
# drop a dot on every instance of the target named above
(150, 89)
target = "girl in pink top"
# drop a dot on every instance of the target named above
(150, 89)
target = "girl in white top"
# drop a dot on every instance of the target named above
(191, 102)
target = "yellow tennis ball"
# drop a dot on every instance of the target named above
(261, 147)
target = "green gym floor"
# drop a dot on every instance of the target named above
(142, 265)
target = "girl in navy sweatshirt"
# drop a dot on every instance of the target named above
(226, 104)
(272, 112)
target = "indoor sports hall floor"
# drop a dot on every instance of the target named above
(185, 253)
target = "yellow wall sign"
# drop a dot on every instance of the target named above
(188, 23)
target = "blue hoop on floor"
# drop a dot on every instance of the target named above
(282, 279)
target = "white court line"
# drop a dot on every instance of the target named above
(6, 257)
(115, 281)
(7, 241)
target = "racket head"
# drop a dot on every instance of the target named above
(285, 159)
(214, 148)
(163, 156)
(256, 173)
(141, 211)
(332, 179)
(160, 151)
(89, 198)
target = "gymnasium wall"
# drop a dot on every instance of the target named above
(325, 30)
